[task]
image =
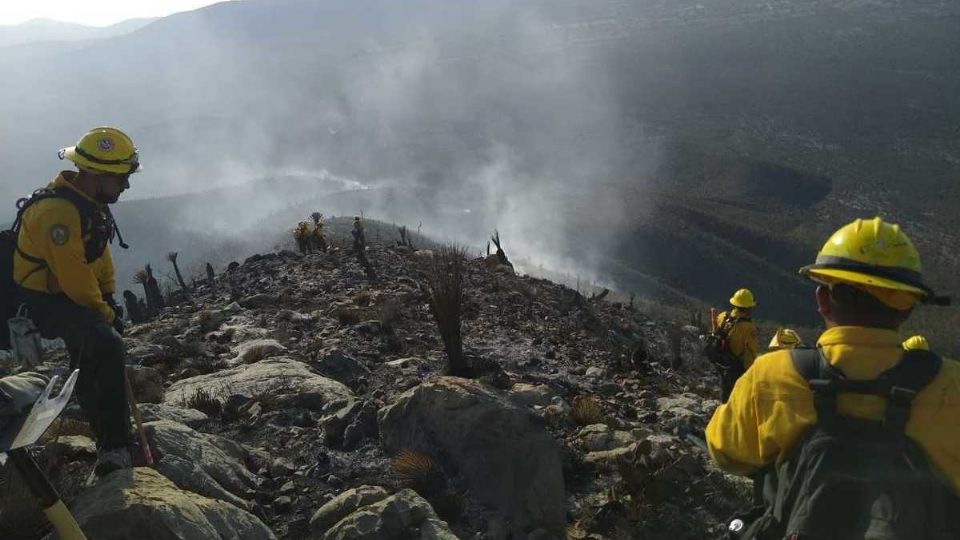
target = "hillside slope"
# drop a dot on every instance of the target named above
(626, 452)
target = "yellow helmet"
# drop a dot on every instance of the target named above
(916, 343)
(104, 150)
(743, 299)
(875, 256)
(785, 338)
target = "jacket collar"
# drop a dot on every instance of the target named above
(65, 179)
(859, 336)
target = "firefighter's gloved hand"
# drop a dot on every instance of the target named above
(19, 392)
(118, 325)
(117, 308)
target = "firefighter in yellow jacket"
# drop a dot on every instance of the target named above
(64, 268)
(302, 235)
(741, 338)
(785, 338)
(868, 278)
(915, 343)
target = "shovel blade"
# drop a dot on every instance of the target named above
(43, 413)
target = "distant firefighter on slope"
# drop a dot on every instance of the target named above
(302, 235)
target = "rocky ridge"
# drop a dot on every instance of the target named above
(295, 397)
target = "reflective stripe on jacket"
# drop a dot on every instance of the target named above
(771, 406)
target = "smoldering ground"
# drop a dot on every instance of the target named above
(487, 115)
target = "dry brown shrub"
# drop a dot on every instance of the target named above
(363, 298)
(346, 315)
(586, 410)
(202, 401)
(445, 272)
(410, 467)
(419, 472)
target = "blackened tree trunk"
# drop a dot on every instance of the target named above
(172, 257)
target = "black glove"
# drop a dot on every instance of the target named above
(118, 325)
(117, 313)
(117, 308)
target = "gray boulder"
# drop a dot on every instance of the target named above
(529, 395)
(403, 516)
(340, 366)
(147, 384)
(258, 349)
(143, 353)
(343, 505)
(349, 425)
(151, 412)
(142, 504)
(508, 460)
(289, 381)
(597, 437)
(205, 464)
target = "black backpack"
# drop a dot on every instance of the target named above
(851, 478)
(103, 228)
(716, 346)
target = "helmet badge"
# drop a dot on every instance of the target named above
(105, 144)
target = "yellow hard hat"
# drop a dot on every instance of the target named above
(785, 338)
(743, 299)
(916, 343)
(104, 150)
(875, 256)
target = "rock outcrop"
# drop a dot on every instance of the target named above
(280, 378)
(509, 461)
(141, 503)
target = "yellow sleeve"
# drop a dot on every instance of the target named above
(64, 252)
(750, 338)
(733, 434)
(105, 273)
(769, 410)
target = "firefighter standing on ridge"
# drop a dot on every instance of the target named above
(302, 236)
(65, 270)
(317, 237)
(862, 434)
(740, 339)
(359, 239)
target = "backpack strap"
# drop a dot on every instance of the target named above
(899, 384)
(916, 370)
(85, 208)
(822, 378)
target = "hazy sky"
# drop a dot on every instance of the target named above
(93, 12)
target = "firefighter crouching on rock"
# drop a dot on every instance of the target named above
(860, 437)
(65, 270)
(914, 343)
(740, 339)
(785, 338)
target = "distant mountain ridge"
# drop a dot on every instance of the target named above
(683, 145)
(38, 30)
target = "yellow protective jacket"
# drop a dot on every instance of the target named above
(743, 337)
(771, 405)
(51, 230)
(302, 231)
